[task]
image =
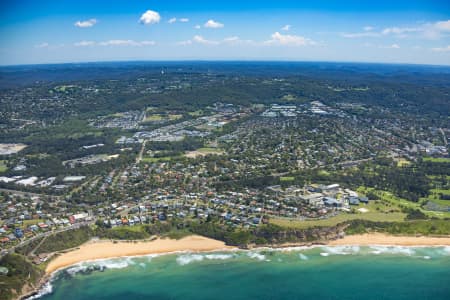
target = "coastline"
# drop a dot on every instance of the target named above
(107, 249)
(372, 239)
(100, 249)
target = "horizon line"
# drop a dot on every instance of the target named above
(226, 60)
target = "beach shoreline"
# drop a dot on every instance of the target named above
(97, 250)
(373, 239)
(106, 249)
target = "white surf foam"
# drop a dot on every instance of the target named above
(409, 251)
(45, 290)
(303, 256)
(342, 250)
(256, 255)
(189, 258)
(218, 256)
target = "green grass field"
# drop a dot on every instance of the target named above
(399, 202)
(437, 159)
(435, 197)
(287, 179)
(342, 217)
(196, 113)
(153, 118)
(209, 150)
(156, 159)
(3, 167)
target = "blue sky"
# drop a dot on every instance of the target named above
(393, 31)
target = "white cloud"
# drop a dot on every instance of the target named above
(84, 44)
(368, 28)
(360, 35)
(399, 30)
(286, 27)
(126, 43)
(213, 24)
(289, 40)
(232, 40)
(150, 17)
(197, 27)
(86, 24)
(441, 49)
(184, 43)
(181, 20)
(42, 45)
(443, 25)
(393, 46)
(199, 39)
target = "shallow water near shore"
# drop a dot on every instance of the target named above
(339, 272)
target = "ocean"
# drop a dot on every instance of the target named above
(340, 272)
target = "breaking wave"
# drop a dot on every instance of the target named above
(256, 255)
(189, 258)
(341, 250)
(303, 256)
(45, 290)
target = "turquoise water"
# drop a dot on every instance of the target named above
(315, 273)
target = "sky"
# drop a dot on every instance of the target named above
(62, 31)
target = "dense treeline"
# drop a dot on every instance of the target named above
(21, 272)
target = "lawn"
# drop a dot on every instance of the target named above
(196, 113)
(399, 202)
(437, 159)
(287, 178)
(342, 217)
(435, 197)
(156, 159)
(27, 223)
(175, 117)
(3, 167)
(153, 118)
(135, 228)
(209, 150)
(403, 162)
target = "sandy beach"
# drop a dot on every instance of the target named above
(101, 249)
(384, 239)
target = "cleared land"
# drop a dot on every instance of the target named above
(203, 152)
(7, 149)
(376, 211)
(3, 166)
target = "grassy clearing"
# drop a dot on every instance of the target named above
(175, 117)
(156, 159)
(437, 159)
(196, 113)
(287, 178)
(135, 228)
(435, 197)
(209, 150)
(153, 118)
(399, 202)
(403, 162)
(369, 216)
(27, 223)
(3, 167)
